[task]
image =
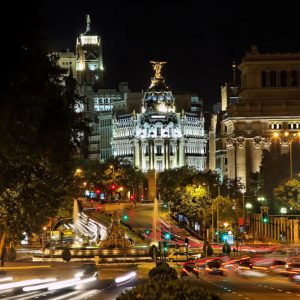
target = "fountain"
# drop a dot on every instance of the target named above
(117, 237)
(156, 223)
(75, 212)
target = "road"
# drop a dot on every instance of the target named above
(103, 287)
(233, 287)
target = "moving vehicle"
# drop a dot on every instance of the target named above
(87, 270)
(214, 267)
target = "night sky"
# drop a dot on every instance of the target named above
(199, 39)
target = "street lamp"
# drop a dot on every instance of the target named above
(248, 205)
(283, 210)
(289, 138)
(243, 191)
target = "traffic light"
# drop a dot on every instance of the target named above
(186, 241)
(224, 236)
(265, 218)
(165, 247)
(167, 235)
(113, 187)
(148, 231)
(97, 192)
(125, 217)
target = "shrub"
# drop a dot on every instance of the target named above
(162, 272)
(66, 255)
(11, 255)
(207, 249)
(168, 290)
(226, 249)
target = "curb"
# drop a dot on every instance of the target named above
(24, 267)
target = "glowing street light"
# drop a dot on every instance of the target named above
(283, 210)
(261, 199)
(248, 205)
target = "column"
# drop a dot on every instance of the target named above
(181, 153)
(241, 159)
(150, 154)
(153, 154)
(168, 154)
(137, 154)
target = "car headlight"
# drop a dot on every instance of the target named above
(78, 274)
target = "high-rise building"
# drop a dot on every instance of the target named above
(159, 138)
(89, 61)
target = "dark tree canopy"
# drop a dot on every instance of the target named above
(39, 130)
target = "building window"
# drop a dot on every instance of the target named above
(283, 78)
(273, 79)
(275, 126)
(263, 79)
(158, 149)
(159, 165)
(158, 131)
(294, 81)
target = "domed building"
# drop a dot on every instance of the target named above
(159, 138)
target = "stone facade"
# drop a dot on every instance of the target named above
(268, 113)
(160, 138)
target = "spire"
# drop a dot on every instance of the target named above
(88, 23)
(234, 72)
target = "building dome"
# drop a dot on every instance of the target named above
(159, 97)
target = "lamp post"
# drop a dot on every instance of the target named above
(244, 217)
(113, 181)
(169, 212)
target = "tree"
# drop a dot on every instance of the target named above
(226, 249)
(39, 132)
(168, 290)
(288, 195)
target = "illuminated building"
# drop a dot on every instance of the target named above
(103, 103)
(269, 102)
(160, 138)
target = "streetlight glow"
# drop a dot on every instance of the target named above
(248, 205)
(283, 210)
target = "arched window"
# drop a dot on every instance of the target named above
(273, 79)
(263, 79)
(283, 78)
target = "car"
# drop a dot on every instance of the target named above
(87, 270)
(244, 264)
(292, 268)
(214, 267)
(278, 266)
(189, 269)
(181, 256)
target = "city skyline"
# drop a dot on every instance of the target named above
(199, 43)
